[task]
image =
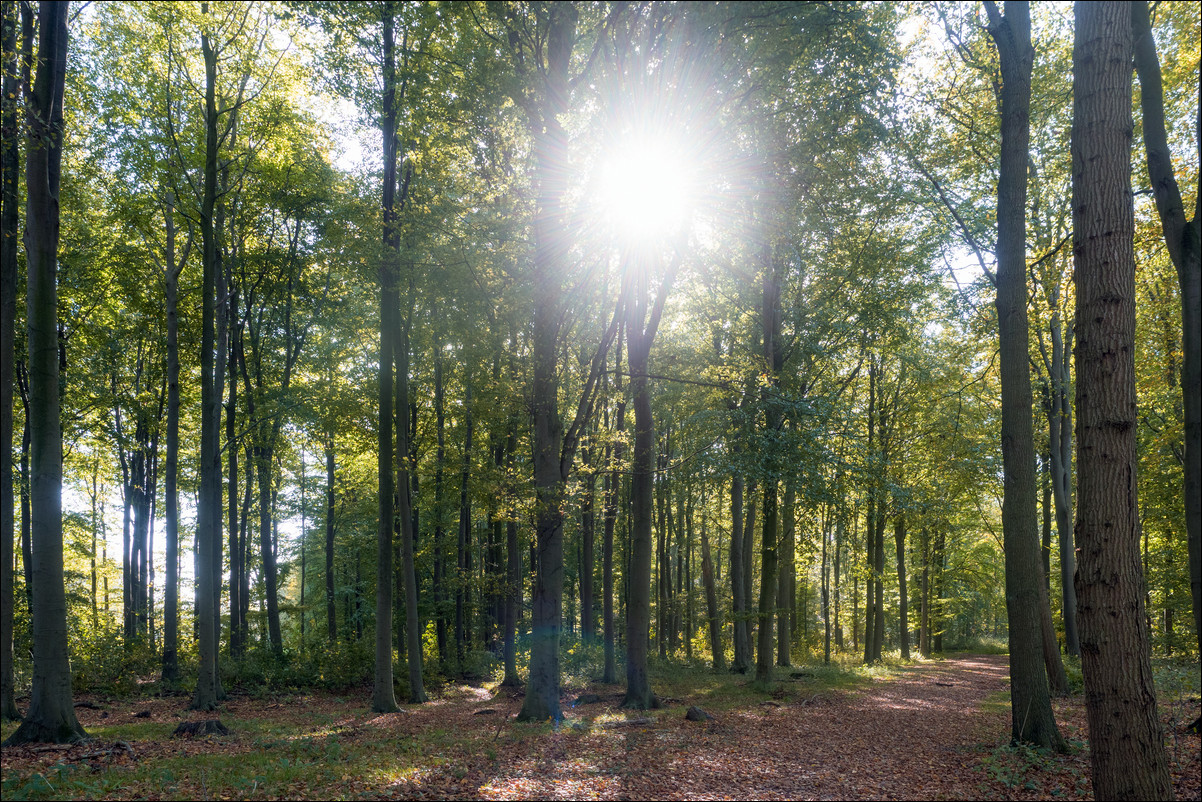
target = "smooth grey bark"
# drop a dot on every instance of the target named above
(1032, 719)
(1127, 752)
(1183, 239)
(51, 714)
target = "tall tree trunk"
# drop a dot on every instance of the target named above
(513, 564)
(270, 574)
(787, 583)
(613, 488)
(840, 524)
(870, 516)
(413, 627)
(742, 659)
(439, 580)
(1126, 740)
(462, 545)
(172, 269)
(550, 238)
(748, 541)
(331, 613)
(51, 714)
(9, 225)
(1031, 709)
(638, 615)
(717, 650)
(383, 699)
(588, 527)
(237, 357)
(924, 626)
(1184, 241)
(207, 517)
(1060, 434)
(774, 357)
(937, 592)
(903, 606)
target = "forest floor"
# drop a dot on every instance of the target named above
(932, 730)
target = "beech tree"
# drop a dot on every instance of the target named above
(51, 714)
(1183, 237)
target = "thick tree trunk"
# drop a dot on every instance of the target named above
(9, 225)
(208, 524)
(1183, 239)
(550, 234)
(51, 714)
(383, 699)
(638, 614)
(1031, 710)
(1126, 740)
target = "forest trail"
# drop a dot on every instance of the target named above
(911, 736)
(935, 730)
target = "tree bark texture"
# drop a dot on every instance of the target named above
(1126, 741)
(550, 238)
(383, 699)
(51, 714)
(9, 226)
(1184, 241)
(1031, 709)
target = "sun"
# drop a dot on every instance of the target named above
(647, 189)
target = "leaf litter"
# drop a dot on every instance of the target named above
(930, 731)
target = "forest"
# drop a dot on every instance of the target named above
(521, 399)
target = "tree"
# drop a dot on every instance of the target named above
(1184, 240)
(1031, 709)
(9, 223)
(1126, 742)
(51, 714)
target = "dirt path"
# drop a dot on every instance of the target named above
(930, 731)
(903, 738)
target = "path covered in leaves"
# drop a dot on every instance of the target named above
(932, 731)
